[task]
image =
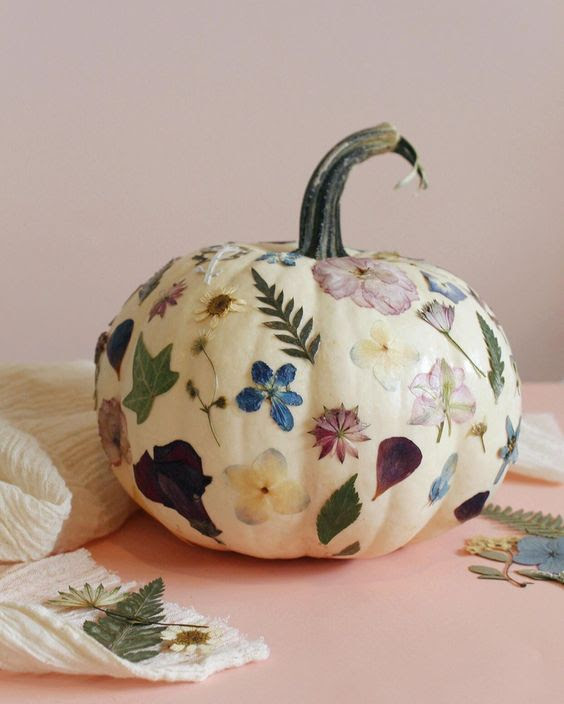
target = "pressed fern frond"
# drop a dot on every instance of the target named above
(287, 324)
(130, 630)
(535, 523)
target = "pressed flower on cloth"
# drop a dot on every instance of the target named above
(39, 637)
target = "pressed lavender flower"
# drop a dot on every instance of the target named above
(337, 430)
(170, 298)
(438, 315)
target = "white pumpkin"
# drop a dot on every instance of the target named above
(282, 400)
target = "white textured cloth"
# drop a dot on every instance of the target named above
(56, 489)
(39, 638)
(541, 448)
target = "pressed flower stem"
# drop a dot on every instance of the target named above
(205, 407)
(483, 443)
(507, 565)
(477, 369)
(143, 622)
(440, 433)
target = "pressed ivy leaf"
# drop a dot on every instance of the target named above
(152, 376)
(533, 522)
(486, 571)
(351, 549)
(125, 630)
(118, 342)
(340, 510)
(397, 458)
(495, 375)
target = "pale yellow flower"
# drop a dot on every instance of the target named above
(384, 354)
(479, 543)
(191, 641)
(218, 304)
(264, 489)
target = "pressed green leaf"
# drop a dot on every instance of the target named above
(486, 571)
(535, 523)
(495, 375)
(351, 549)
(496, 555)
(340, 510)
(274, 307)
(152, 376)
(544, 576)
(125, 630)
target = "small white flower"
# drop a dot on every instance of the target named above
(191, 641)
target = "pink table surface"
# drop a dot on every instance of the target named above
(413, 626)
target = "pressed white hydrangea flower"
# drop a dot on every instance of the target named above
(191, 641)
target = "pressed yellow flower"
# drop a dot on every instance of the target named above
(479, 543)
(263, 489)
(478, 430)
(218, 304)
(191, 641)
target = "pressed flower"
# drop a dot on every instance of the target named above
(273, 387)
(384, 354)
(191, 641)
(285, 258)
(151, 284)
(230, 250)
(546, 553)
(263, 489)
(441, 317)
(112, 428)
(369, 283)
(201, 342)
(441, 485)
(170, 298)
(478, 430)
(441, 395)
(218, 304)
(509, 453)
(446, 288)
(336, 431)
(479, 543)
(88, 597)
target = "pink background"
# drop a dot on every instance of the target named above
(412, 627)
(133, 131)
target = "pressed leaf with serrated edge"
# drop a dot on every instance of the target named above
(125, 630)
(152, 376)
(296, 338)
(534, 523)
(340, 510)
(495, 375)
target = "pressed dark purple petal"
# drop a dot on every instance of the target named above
(174, 478)
(472, 507)
(397, 458)
(118, 342)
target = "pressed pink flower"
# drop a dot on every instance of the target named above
(438, 315)
(112, 428)
(170, 298)
(441, 395)
(369, 283)
(336, 430)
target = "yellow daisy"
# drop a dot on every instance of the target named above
(218, 304)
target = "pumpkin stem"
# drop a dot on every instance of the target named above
(320, 221)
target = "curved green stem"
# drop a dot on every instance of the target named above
(320, 218)
(459, 348)
(143, 622)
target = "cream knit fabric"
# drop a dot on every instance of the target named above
(56, 489)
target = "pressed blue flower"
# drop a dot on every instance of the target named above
(442, 483)
(446, 288)
(509, 453)
(285, 258)
(275, 388)
(547, 553)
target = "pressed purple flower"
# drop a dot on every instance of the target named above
(170, 298)
(337, 430)
(438, 315)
